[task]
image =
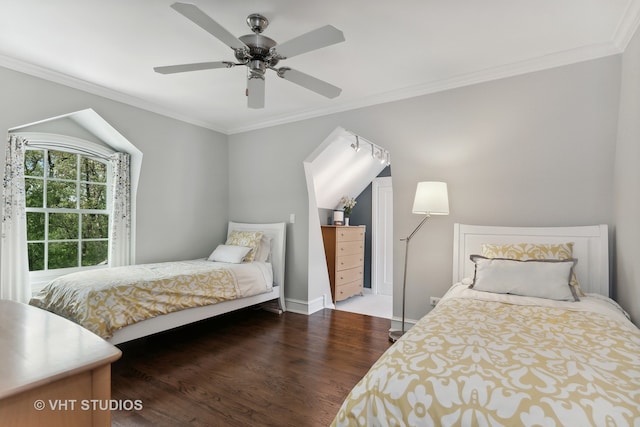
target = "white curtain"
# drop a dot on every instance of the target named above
(14, 263)
(120, 227)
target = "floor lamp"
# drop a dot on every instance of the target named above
(431, 199)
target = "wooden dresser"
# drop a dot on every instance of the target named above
(344, 249)
(52, 371)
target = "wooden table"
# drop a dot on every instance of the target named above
(53, 372)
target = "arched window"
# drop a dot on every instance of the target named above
(77, 194)
(74, 191)
(67, 209)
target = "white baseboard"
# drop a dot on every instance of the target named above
(305, 307)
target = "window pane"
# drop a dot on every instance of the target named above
(34, 163)
(63, 226)
(35, 225)
(61, 194)
(95, 226)
(33, 192)
(94, 253)
(93, 196)
(92, 170)
(36, 256)
(62, 165)
(62, 255)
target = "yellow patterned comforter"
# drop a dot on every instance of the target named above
(483, 359)
(108, 299)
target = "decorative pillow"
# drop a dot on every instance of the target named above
(264, 249)
(527, 251)
(250, 239)
(229, 253)
(545, 278)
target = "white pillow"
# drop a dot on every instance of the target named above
(534, 278)
(264, 249)
(229, 253)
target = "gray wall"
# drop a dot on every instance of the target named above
(531, 150)
(536, 150)
(267, 184)
(627, 184)
(183, 190)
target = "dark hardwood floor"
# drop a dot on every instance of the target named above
(248, 368)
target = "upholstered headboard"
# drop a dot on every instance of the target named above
(590, 248)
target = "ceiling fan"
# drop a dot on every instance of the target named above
(260, 53)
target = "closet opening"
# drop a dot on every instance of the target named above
(350, 266)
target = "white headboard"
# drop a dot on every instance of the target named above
(590, 248)
(277, 232)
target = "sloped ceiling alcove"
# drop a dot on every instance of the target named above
(333, 170)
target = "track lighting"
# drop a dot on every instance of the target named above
(356, 145)
(377, 153)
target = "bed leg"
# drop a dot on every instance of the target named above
(272, 306)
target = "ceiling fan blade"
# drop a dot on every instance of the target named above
(170, 69)
(321, 37)
(204, 21)
(255, 92)
(309, 82)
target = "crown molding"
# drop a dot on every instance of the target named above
(85, 86)
(553, 60)
(628, 26)
(624, 33)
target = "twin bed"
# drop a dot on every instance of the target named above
(125, 303)
(485, 356)
(526, 336)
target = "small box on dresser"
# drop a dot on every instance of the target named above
(344, 251)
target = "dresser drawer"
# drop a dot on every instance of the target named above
(347, 234)
(350, 248)
(350, 275)
(349, 261)
(347, 290)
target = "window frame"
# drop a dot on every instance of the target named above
(64, 143)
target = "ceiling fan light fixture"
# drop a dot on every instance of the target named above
(259, 53)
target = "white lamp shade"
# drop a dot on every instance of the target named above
(431, 198)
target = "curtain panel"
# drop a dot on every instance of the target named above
(120, 226)
(14, 261)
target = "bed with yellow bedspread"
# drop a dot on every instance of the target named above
(106, 300)
(485, 359)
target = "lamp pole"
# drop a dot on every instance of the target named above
(395, 335)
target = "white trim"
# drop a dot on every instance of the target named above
(545, 62)
(552, 60)
(377, 259)
(81, 146)
(628, 26)
(591, 249)
(85, 86)
(305, 307)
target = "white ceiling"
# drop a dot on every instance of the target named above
(393, 50)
